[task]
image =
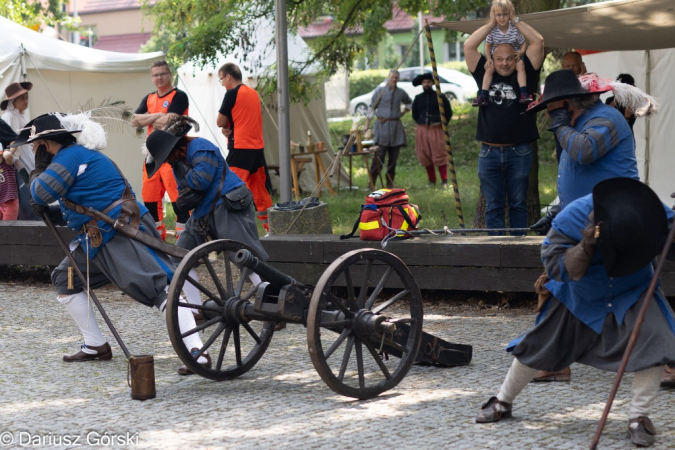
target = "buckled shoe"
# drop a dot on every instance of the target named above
(561, 375)
(494, 411)
(103, 353)
(185, 370)
(641, 431)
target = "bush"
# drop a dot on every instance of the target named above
(363, 81)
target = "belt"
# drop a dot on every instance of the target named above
(388, 120)
(499, 145)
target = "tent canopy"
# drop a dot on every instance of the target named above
(615, 25)
(66, 76)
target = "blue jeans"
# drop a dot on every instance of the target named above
(504, 173)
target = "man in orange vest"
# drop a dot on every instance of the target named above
(240, 118)
(153, 107)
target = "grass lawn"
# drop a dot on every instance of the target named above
(437, 205)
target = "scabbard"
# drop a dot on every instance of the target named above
(137, 235)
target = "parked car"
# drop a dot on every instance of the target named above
(457, 86)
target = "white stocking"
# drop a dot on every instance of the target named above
(255, 278)
(646, 384)
(186, 321)
(516, 380)
(191, 292)
(83, 314)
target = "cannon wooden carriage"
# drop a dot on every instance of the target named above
(364, 317)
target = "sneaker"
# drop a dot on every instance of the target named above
(103, 353)
(524, 99)
(444, 183)
(481, 100)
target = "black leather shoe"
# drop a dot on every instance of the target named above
(494, 411)
(103, 353)
(185, 370)
(641, 431)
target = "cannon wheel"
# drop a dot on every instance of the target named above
(234, 344)
(348, 296)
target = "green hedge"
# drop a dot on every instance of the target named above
(363, 81)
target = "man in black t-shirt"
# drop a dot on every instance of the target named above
(505, 156)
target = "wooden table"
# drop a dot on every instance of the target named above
(364, 153)
(298, 160)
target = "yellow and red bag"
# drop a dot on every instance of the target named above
(387, 212)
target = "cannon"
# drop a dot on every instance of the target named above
(363, 318)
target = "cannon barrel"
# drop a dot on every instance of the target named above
(244, 258)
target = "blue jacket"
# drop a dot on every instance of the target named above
(88, 178)
(599, 146)
(206, 169)
(596, 294)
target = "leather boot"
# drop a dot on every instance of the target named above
(103, 353)
(493, 411)
(668, 379)
(185, 370)
(641, 431)
(562, 375)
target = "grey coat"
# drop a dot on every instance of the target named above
(389, 133)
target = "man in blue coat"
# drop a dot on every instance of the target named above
(75, 173)
(598, 255)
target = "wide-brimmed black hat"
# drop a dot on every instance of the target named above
(13, 91)
(560, 85)
(421, 77)
(46, 126)
(160, 144)
(633, 225)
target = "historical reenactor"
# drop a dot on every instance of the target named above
(388, 132)
(593, 142)
(599, 255)
(429, 135)
(77, 175)
(221, 204)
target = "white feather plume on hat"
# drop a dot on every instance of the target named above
(92, 136)
(625, 95)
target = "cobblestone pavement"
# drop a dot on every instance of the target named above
(282, 402)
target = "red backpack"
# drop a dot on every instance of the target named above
(387, 212)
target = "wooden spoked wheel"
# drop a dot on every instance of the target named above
(233, 343)
(353, 321)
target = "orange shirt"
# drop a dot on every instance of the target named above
(241, 106)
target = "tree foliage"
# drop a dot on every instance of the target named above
(33, 14)
(202, 30)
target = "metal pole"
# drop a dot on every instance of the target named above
(283, 102)
(448, 146)
(633, 337)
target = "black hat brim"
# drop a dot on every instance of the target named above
(542, 105)
(633, 225)
(421, 77)
(160, 144)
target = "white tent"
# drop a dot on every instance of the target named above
(639, 37)
(66, 76)
(206, 95)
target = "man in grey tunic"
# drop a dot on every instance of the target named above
(388, 132)
(598, 255)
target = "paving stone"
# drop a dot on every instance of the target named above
(282, 402)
